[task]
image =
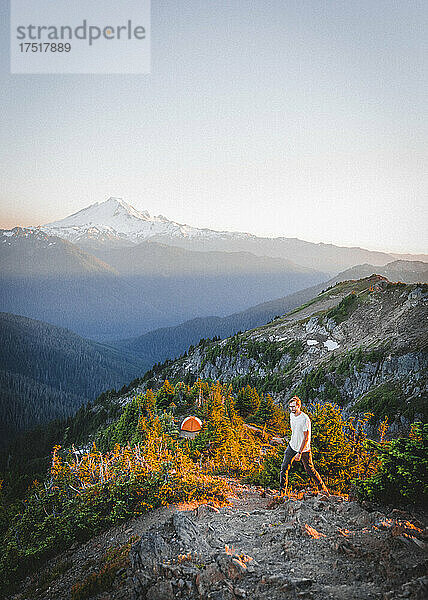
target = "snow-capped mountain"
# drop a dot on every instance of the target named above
(114, 220)
(114, 224)
(112, 271)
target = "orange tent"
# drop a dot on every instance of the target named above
(191, 424)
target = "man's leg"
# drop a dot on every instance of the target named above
(310, 470)
(289, 455)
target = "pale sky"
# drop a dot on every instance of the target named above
(282, 118)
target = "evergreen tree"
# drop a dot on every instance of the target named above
(269, 414)
(165, 395)
(402, 477)
(247, 401)
(149, 403)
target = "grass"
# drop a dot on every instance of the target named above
(345, 307)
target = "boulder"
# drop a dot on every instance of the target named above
(161, 590)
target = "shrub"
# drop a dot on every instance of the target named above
(401, 477)
(86, 494)
(225, 445)
(342, 311)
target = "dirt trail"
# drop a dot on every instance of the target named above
(258, 547)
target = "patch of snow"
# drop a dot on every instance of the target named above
(312, 342)
(7, 233)
(331, 345)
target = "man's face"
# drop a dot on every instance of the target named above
(293, 406)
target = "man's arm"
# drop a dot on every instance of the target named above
(302, 447)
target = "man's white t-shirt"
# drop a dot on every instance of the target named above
(299, 425)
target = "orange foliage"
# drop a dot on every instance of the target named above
(181, 478)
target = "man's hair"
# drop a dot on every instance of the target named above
(295, 399)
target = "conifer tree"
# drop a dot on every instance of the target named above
(149, 403)
(230, 407)
(165, 395)
(247, 401)
(200, 389)
(269, 414)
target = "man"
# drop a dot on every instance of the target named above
(299, 447)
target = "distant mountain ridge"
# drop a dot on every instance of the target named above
(112, 272)
(399, 270)
(28, 251)
(135, 288)
(116, 223)
(155, 258)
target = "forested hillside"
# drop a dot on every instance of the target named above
(48, 372)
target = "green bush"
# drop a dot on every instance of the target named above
(268, 475)
(402, 476)
(51, 522)
(342, 311)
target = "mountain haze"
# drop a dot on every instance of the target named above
(153, 258)
(114, 222)
(32, 252)
(132, 289)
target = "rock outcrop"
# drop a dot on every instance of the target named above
(260, 547)
(313, 547)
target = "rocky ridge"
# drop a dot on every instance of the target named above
(259, 547)
(357, 336)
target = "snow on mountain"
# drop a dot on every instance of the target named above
(115, 219)
(13, 236)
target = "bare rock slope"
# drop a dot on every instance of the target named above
(259, 547)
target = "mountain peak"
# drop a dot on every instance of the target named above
(113, 200)
(115, 221)
(114, 214)
(119, 204)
